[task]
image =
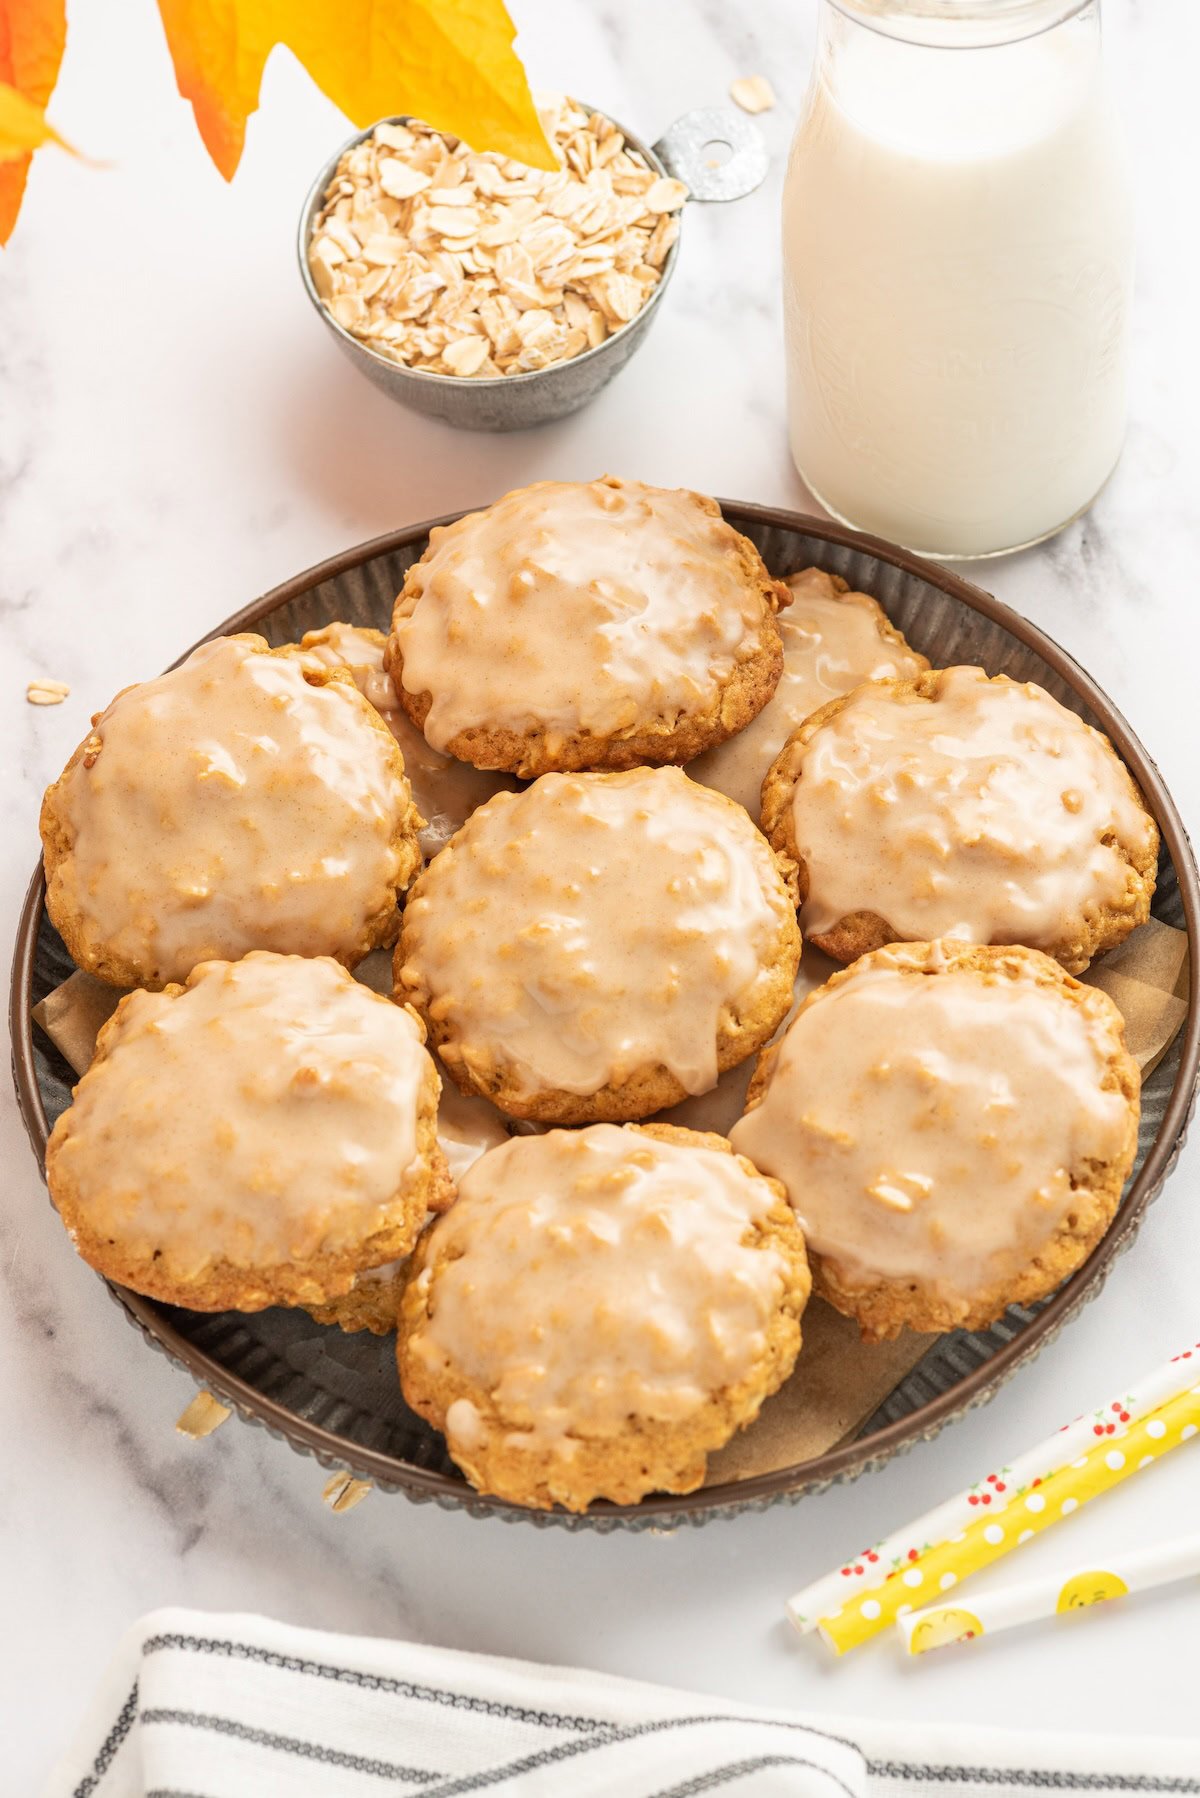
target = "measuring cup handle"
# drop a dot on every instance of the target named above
(686, 150)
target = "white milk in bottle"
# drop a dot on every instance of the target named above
(957, 267)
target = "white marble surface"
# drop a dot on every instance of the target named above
(176, 434)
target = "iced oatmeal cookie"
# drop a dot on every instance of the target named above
(258, 1136)
(241, 801)
(833, 640)
(954, 805)
(466, 1129)
(575, 625)
(444, 791)
(601, 1309)
(954, 1126)
(600, 945)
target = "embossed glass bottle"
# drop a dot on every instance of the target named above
(957, 239)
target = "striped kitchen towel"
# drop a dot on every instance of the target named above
(207, 1706)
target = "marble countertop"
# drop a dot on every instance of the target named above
(176, 435)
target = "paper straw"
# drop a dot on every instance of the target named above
(988, 1538)
(1088, 1584)
(990, 1495)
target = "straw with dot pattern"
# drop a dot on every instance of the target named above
(856, 1601)
(1098, 1581)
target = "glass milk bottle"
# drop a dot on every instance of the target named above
(957, 242)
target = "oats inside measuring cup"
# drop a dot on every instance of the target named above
(466, 263)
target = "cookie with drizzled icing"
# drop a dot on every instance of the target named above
(582, 625)
(600, 945)
(601, 1310)
(954, 1126)
(833, 639)
(241, 801)
(954, 805)
(261, 1135)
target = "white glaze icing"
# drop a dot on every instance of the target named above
(572, 606)
(926, 1127)
(266, 1114)
(988, 813)
(587, 1278)
(593, 926)
(230, 805)
(466, 1128)
(832, 641)
(445, 791)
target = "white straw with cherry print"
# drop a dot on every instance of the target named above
(1112, 1575)
(989, 1496)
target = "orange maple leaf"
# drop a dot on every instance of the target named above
(32, 36)
(449, 62)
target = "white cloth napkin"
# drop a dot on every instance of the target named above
(208, 1706)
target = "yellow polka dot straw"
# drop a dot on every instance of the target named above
(943, 1567)
(1129, 1570)
(991, 1495)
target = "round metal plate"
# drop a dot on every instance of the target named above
(336, 1396)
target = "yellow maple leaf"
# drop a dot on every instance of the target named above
(32, 35)
(449, 62)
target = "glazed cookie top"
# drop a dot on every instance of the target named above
(832, 640)
(587, 1277)
(230, 804)
(592, 926)
(982, 809)
(360, 649)
(934, 1110)
(445, 791)
(265, 1112)
(573, 607)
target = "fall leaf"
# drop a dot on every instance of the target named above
(32, 35)
(449, 62)
(24, 127)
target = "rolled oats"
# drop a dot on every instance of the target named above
(753, 93)
(46, 692)
(204, 1415)
(341, 1492)
(472, 265)
(665, 195)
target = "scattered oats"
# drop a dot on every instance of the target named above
(204, 1415)
(342, 1491)
(46, 692)
(753, 93)
(472, 264)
